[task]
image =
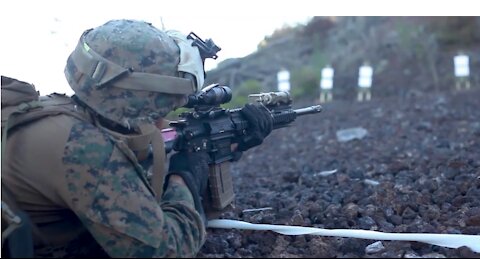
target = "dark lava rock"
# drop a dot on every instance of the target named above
(423, 153)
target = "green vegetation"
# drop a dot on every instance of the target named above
(279, 33)
(416, 42)
(409, 37)
(456, 30)
(305, 82)
(319, 59)
(240, 94)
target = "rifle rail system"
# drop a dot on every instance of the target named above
(213, 129)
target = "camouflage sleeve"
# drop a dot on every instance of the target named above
(111, 199)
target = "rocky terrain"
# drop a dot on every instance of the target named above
(411, 163)
(417, 169)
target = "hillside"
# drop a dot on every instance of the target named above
(408, 55)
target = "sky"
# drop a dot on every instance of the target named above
(43, 40)
(37, 36)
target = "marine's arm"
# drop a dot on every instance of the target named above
(108, 195)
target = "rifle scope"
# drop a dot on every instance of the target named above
(210, 95)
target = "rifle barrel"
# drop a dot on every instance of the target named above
(283, 119)
(309, 110)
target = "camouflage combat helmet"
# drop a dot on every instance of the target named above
(127, 72)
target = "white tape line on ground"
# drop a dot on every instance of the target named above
(445, 240)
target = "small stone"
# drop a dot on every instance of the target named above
(297, 219)
(473, 220)
(351, 134)
(424, 126)
(367, 223)
(411, 255)
(371, 182)
(433, 255)
(408, 213)
(395, 220)
(351, 210)
(374, 248)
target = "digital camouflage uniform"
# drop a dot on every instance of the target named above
(81, 184)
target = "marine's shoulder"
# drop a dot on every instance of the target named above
(88, 144)
(84, 129)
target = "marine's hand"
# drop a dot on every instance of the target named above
(193, 169)
(177, 179)
(260, 125)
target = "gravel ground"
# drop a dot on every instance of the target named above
(417, 169)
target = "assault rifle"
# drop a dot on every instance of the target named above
(213, 129)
